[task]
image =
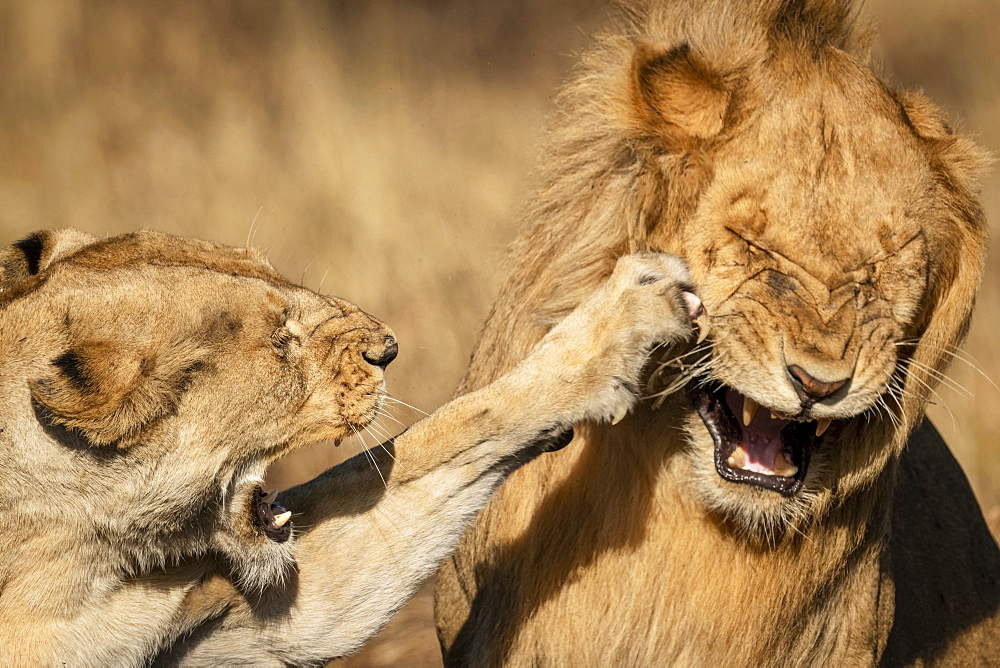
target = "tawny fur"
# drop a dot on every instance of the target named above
(829, 222)
(147, 381)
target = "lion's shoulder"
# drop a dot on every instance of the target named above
(944, 561)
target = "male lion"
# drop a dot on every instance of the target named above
(147, 382)
(768, 514)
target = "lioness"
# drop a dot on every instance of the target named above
(769, 514)
(147, 382)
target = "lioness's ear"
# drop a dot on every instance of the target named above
(111, 392)
(32, 254)
(675, 94)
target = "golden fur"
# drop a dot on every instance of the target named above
(831, 225)
(148, 381)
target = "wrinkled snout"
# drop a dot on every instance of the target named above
(359, 332)
(380, 353)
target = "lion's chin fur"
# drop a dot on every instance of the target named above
(758, 515)
(764, 516)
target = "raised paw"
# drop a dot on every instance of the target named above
(599, 349)
(658, 290)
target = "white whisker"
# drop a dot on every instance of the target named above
(394, 399)
(382, 445)
(942, 378)
(323, 280)
(371, 457)
(385, 413)
(250, 232)
(956, 354)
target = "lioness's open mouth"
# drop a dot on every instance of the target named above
(760, 449)
(270, 516)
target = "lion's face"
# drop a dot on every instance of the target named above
(164, 375)
(818, 240)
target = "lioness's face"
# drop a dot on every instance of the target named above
(809, 246)
(183, 369)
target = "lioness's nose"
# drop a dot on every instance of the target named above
(380, 356)
(809, 388)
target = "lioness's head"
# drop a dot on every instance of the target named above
(830, 223)
(149, 380)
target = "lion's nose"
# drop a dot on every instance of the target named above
(380, 356)
(811, 389)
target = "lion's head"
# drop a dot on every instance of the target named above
(830, 222)
(149, 380)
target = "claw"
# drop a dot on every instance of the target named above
(620, 415)
(702, 324)
(698, 314)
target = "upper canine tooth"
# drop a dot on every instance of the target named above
(822, 425)
(282, 519)
(270, 496)
(749, 410)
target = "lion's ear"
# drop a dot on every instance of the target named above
(674, 93)
(111, 392)
(964, 161)
(32, 254)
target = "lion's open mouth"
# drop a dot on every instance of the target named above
(768, 451)
(272, 519)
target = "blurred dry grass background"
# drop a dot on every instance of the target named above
(379, 151)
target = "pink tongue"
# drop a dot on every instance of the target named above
(761, 439)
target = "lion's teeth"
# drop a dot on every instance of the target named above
(282, 519)
(270, 496)
(782, 466)
(620, 415)
(749, 410)
(737, 460)
(822, 425)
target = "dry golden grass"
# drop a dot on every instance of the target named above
(379, 152)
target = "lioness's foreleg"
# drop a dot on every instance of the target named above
(369, 539)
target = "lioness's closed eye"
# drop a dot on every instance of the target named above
(146, 383)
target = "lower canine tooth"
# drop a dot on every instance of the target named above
(783, 467)
(749, 410)
(822, 425)
(282, 519)
(737, 460)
